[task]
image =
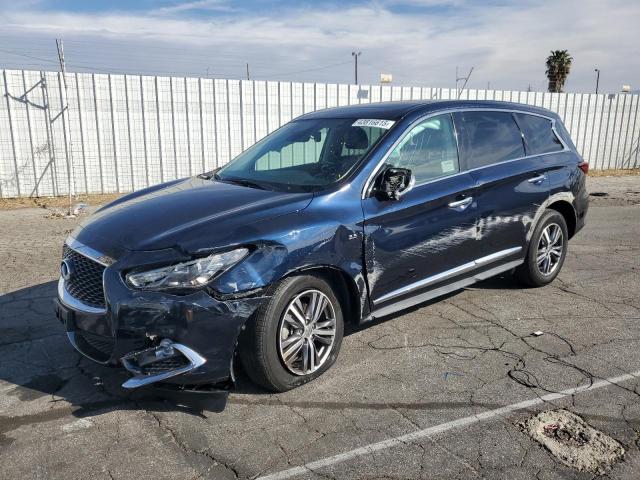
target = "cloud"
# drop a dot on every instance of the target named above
(207, 5)
(507, 43)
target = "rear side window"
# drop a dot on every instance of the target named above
(485, 138)
(539, 137)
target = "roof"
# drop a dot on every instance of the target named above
(397, 110)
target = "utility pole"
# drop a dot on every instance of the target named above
(65, 116)
(597, 70)
(466, 79)
(248, 78)
(355, 56)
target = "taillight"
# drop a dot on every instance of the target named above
(584, 166)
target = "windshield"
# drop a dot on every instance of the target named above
(305, 155)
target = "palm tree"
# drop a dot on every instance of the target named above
(558, 67)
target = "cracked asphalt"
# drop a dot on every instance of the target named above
(63, 417)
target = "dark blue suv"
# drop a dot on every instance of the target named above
(342, 215)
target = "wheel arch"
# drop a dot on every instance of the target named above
(568, 212)
(344, 286)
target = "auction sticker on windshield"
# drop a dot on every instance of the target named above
(372, 122)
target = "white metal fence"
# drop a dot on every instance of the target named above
(125, 132)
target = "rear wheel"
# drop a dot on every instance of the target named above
(547, 251)
(295, 336)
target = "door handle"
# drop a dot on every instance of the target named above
(460, 205)
(538, 179)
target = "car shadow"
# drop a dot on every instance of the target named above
(40, 362)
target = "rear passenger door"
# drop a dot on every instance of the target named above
(511, 186)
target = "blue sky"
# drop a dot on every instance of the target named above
(420, 42)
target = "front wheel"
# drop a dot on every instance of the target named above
(547, 251)
(295, 336)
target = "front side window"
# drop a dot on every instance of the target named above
(486, 137)
(428, 150)
(304, 155)
(538, 134)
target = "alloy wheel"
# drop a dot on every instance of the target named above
(307, 332)
(550, 247)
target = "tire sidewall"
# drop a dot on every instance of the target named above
(278, 373)
(549, 217)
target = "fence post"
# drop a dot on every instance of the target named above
(241, 115)
(130, 142)
(84, 158)
(613, 130)
(228, 119)
(155, 85)
(204, 166)
(50, 143)
(173, 127)
(64, 112)
(624, 106)
(31, 149)
(95, 108)
(113, 135)
(13, 142)
(215, 121)
(186, 112)
(626, 135)
(144, 131)
(633, 132)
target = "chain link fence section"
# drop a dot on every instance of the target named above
(121, 133)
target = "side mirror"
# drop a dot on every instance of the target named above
(394, 183)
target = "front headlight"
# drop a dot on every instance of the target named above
(192, 274)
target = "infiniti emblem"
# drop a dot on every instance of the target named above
(66, 269)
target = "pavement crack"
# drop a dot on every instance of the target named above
(190, 451)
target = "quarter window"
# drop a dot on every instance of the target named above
(538, 134)
(428, 150)
(488, 137)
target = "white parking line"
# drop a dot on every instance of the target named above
(443, 427)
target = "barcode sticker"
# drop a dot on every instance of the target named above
(447, 166)
(372, 122)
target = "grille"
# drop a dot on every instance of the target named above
(165, 365)
(86, 282)
(95, 346)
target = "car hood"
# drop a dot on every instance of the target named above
(190, 215)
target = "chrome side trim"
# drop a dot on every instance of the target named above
(496, 256)
(368, 185)
(437, 292)
(448, 274)
(195, 361)
(89, 252)
(75, 304)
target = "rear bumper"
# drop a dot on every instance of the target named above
(581, 206)
(202, 329)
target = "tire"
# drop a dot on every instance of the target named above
(533, 274)
(274, 329)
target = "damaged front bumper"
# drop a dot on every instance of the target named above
(160, 363)
(160, 338)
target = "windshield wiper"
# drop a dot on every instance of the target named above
(240, 181)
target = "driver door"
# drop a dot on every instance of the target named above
(419, 241)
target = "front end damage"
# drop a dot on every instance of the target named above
(160, 363)
(176, 342)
